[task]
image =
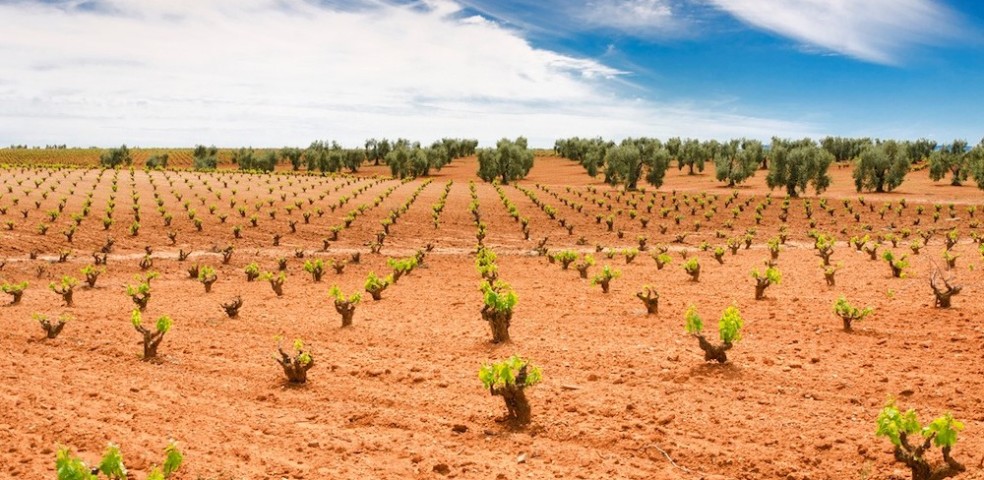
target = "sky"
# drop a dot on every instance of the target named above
(268, 73)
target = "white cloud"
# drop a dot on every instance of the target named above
(275, 72)
(873, 30)
(631, 15)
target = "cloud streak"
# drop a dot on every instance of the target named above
(274, 72)
(878, 31)
(640, 17)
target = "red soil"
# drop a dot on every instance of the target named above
(623, 392)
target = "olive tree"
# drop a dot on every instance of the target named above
(315, 156)
(797, 164)
(920, 149)
(248, 159)
(624, 164)
(115, 157)
(377, 150)
(510, 160)
(953, 159)
(673, 146)
(881, 167)
(406, 159)
(205, 158)
(737, 160)
(589, 152)
(157, 161)
(351, 158)
(245, 158)
(691, 155)
(977, 164)
(572, 148)
(293, 156)
(844, 149)
(267, 161)
(332, 157)
(458, 147)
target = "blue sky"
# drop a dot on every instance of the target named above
(286, 72)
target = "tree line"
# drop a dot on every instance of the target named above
(508, 161)
(405, 158)
(795, 165)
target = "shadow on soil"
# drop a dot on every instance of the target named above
(726, 371)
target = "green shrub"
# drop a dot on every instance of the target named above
(630, 254)
(719, 254)
(499, 302)
(51, 329)
(344, 305)
(773, 246)
(375, 285)
(485, 264)
(950, 259)
(587, 261)
(849, 313)
(92, 273)
(764, 279)
(915, 246)
(898, 265)
(509, 379)
(828, 273)
(69, 467)
(151, 339)
(316, 268)
(824, 245)
(729, 330)
(605, 278)
(276, 281)
(566, 258)
(207, 276)
(692, 267)
(252, 271)
(15, 290)
(297, 365)
(65, 288)
(140, 293)
(401, 266)
(901, 428)
(662, 259)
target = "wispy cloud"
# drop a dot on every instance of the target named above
(649, 19)
(273, 72)
(631, 15)
(878, 31)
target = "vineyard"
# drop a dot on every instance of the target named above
(82, 157)
(305, 325)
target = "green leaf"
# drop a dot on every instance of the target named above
(694, 323)
(729, 327)
(69, 467)
(112, 463)
(892, 423)
(155, 474)
(164, 324)
(504, 373)
(172, 459)
(499, 296)
(946, 429)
